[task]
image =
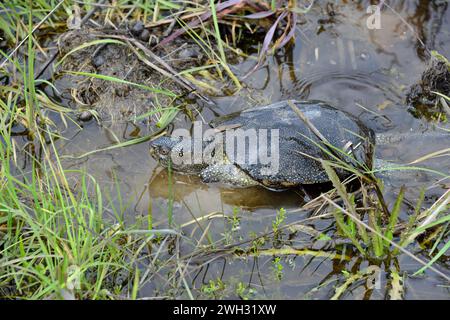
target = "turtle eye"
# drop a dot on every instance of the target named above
(180, 154)
(164, 151)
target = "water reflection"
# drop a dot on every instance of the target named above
(186, 188)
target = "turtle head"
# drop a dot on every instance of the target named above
(174, 152)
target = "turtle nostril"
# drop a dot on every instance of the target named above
(154, 151)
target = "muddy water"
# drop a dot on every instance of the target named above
(335, 58)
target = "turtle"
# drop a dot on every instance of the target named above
(292, 142)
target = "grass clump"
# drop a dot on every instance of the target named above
(58, 241)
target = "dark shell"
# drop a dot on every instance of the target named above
(296, 139)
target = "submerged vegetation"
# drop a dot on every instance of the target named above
(430, 98)
(64, 236)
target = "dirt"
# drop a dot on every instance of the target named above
(112, 100)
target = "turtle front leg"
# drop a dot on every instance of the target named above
(227, 174)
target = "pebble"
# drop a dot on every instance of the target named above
(98, 61)
(145, 35)
(85, 116)
(188, 53)
(137, 28)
